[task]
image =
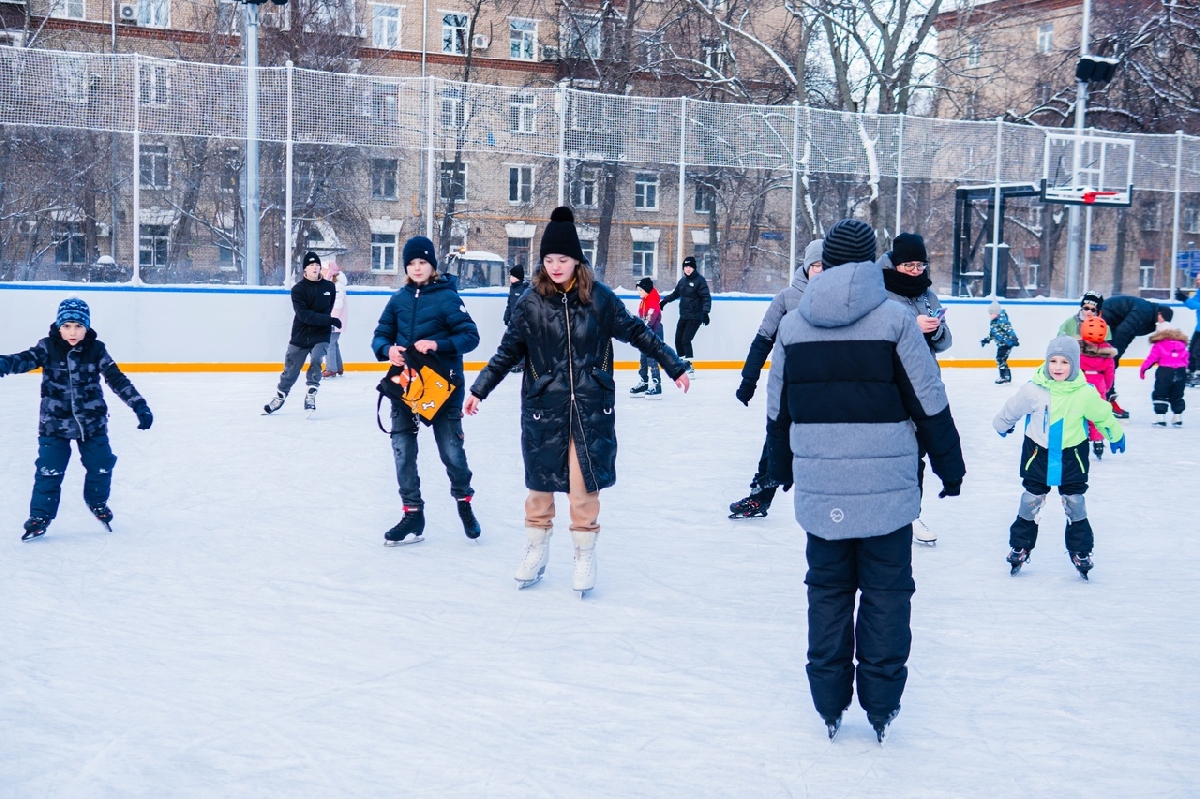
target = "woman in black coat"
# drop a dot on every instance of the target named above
(562, 329)
(695, 302)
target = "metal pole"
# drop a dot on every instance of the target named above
(900, 173)
(1087, 250)
(562, 144)
(996, 208)
(287, 183)
(1175, 223)
(136, 226)
(424, 33)
(252, 266)
(429, 121)
(682, 188)
(795, 187)
(1081, 94)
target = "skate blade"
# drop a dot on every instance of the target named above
(409, 540)
(747, 515)
(523, 584)
(833, 730)
(1084, 575)
(106, 526)
(932, 542)
(27, 538)
(583, 592)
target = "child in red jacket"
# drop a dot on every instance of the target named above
(1098, 362)
(650, 312)
(1170, 352)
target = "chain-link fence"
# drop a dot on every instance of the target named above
(123, 167)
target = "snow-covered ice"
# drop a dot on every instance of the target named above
(244, 632)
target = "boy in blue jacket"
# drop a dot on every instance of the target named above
(72, 361)
(1001, 331)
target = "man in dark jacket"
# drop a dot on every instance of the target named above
(694, 304)
(312, 300)
(1127, 318)
(517, 285)
(854, 387)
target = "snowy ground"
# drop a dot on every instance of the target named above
(244, 633)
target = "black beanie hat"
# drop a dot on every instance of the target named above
(1093, 297)
(1165, 311)
(517, 271)
(310, 257)
(646, 285)
(908, 247)
(419, 247)
(847, 242)
(689, 261)
(560, 237)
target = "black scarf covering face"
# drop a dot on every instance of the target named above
(906, 285)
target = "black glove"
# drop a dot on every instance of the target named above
(145, 418)
(1181, 295)
(983, 342)
(704, 319)
(337, 323)
(745, 392)
(950, 489)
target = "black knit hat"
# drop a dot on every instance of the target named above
(1093, 298)
(1165, 311)
(646, 285)
(517, 271)
(561, 237)
(419, 247)
(908, 247)
(310, 257)
(689, 261)
(847, 242)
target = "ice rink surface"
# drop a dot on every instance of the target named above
(244, 633)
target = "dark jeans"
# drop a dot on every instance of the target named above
(448, 435)
(647, 366)
(880, 568)
(293, 362)
(1169, 384)
(684, 333)
(53, 455)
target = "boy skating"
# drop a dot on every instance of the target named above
(312, 299)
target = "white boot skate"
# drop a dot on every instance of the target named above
(584, 579)
(537, 553)
(922, 534)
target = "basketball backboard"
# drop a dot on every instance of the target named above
(1084, 169)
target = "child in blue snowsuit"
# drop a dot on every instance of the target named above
(72, 361)
(1001, 332)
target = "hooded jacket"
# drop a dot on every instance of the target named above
(854, 386)
(72, 400)
(1071, 328)
(312, 301)
(650, 312)
(567, 388)
(1001, 331)
(435, 312)
(695, 301)
(924, 305)
(1129, 317)
(1169, 350)
(1098, 364)
(764, 340)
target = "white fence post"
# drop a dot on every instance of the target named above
(1178, 200)
(795, 187)
(429, 121)
(996, 209)
(136, 222)
(899, 176)
(562, 144)
(287, 184)
(682, 188)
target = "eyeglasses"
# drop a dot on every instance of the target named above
(913, 266)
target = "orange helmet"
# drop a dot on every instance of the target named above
(1094, 330)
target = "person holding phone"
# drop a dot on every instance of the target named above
(906, 278)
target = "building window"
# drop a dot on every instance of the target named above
(1045, 39)
(226, 254)
(520, 184)
(588, 247)
(974, 53)
(645, 192)
(583, 187)
(706, 199)
(452, 115)
(153, 243)
(645, 123)
(69, 82)
(1147, 269)
(522, 39)
(715, 57)
(650, 50)
(71, 9)
(454, 34)
(1151, 218)
(518, 253)
(704, 258)
(154, 84)
(385, 27)
(154, 13)
(583, 36)
(522, 113)
(230, 177)
(383, 178)
(70, 245)
(644, 258)
(155, 166)
(1044, 93)
(384, 107)
(452, 183)
(1191, 217)
(383, 252)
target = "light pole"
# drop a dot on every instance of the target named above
(1081, 93)
(252, 201)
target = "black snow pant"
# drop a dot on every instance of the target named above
(763, 486)
(880, 637)
(1072, 485)
(1194, 352)
(1169, 384)
(1002, 352)
(685, 331)
(52, 459)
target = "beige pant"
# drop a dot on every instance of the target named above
(585, 507)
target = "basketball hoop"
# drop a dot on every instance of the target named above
(1089, 197)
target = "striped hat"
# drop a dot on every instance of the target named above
(73, 309)
(847, 242)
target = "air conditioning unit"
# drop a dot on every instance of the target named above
(549, 53)
(480, 41)
(127, 13)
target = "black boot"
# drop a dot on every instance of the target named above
(409, 530)
(470, 523)
(35, 527)
(1098, 449)
(103, 514)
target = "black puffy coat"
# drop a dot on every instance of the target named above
(312, 302)
(695, 301)
(1137, 317)
(515, 290)
(567, 389)
(72, 399)
(434, 312)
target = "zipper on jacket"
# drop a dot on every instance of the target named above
(74, 415)
(412, 327)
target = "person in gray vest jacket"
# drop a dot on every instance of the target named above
(854, 388)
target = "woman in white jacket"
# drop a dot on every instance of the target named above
(333, 355)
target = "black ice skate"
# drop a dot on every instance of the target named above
(1098, 449)
(103, 515)
(655, 391)
(275, 404)
(408, 531)
(833, 725)
(881, 723)
(470, 523)
(640, 389)
(35, 528)
(1017, 558)
(1082, 562)
(752, 507)
(310, 401)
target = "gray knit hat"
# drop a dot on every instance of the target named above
(812, 254)
(1067, 347)
(848, 242)
(994, 308)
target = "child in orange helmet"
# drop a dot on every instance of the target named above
(1097, 361)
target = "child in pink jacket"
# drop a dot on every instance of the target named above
(1098, 362)
(1170, 352)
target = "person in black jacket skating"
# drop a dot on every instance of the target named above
(562, 328)
(695, 302)
(517, 285)
(1127, 318)
(312, 300)
(428, 316)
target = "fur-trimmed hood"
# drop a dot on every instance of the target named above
(1168, 334)
(1098, 350)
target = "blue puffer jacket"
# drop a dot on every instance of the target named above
(435, 312)
(72, 399)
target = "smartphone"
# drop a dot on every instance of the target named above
(940, 313)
